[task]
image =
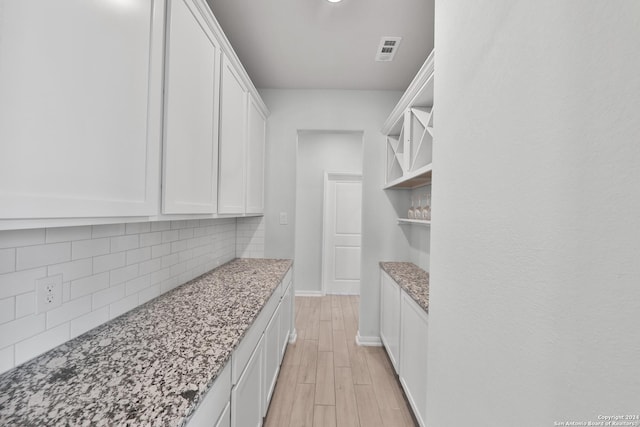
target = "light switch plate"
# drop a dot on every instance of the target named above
(49, 293)
(284, 220)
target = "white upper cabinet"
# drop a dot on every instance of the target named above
(80, 108)
(233, 107)
(255, 158)
(191, 139)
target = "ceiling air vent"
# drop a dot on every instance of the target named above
(387, 48)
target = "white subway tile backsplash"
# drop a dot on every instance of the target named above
(6, 358)
(20, 282)
(178, 246)
(137, 227)
(98, 285)
(72, 270)
(160, 226)
(107, 230)
(25, 304)
(39, 255)
(89, 248)
(7, 310)
(186, 233)
(169, 260)
(123, 305)
(19, 329)
(150, 239)
(17, 238)
(160, 250)
(250, 237)
(170, 236)
(123, 274)
(107, 296)
(67, 234)
(70, 310)
(149, 293)
(109, 262)
(7, 260)
(34, 346)
(135, 256)
(136, 285)
(150, 266)
(87, 322)
(89, 285)
(124, 243)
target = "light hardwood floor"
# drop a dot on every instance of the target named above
(326, 380)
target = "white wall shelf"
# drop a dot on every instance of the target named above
(423, 222)
(415, 179)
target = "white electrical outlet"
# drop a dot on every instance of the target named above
(49, 293)
(283, 218)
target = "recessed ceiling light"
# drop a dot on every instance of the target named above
(334, 1)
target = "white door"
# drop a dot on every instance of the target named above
(342, 234)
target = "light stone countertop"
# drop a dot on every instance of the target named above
(411, 278)
(150, 366)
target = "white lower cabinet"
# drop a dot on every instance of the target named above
(211, 411)
(225, 418)
(413, 355)
(240, 395)
(285, 319)
(271, 357)
(246, 396)
(390, 317)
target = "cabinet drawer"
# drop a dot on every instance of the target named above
(213, 404)
(242, 354)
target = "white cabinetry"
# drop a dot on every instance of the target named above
(271, 357)
(191, 140)
(231, 185)
(286, 318)
(215, 403)
(390, 317)
(80, 108)
(256, 131)
(413, 355)
(246, 396)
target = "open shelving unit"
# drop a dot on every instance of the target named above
(410, 137)
(404, 221)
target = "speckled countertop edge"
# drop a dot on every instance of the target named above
(150, 366)
(411, 278)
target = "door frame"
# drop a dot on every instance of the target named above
(338, 177)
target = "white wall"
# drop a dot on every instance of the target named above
(293, 110)
(106, 270)
(535, 264)
(318, 152)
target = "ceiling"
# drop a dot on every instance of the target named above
(315, 44)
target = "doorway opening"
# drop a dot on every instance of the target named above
(334, 157)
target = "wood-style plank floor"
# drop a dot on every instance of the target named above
(326, 380)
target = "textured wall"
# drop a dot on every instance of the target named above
(535, 243)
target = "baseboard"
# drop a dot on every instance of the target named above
(302, 293)
(373, 341)
(293, 337)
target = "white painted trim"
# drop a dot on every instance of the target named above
(334, 176)
(303, 293)
(372, 341)
(293, 337)
(425, 73)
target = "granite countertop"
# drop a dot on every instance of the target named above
(149, 367)
(411, 278)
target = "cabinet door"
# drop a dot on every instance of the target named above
(390, 317)
(413, 356)
(191, 142)
(246, 396)
(233, 98)
(271, 357)
(255, 158)
(285, 320)
(80, 108)
(225, 418)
